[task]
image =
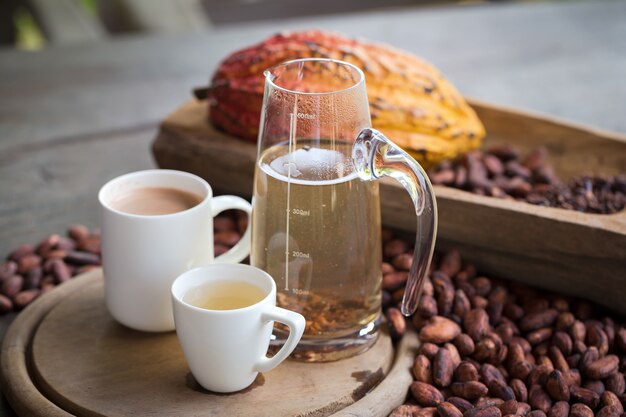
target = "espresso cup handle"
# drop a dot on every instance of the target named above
(242, 249)
(295, 322)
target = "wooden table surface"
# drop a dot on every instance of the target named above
(72, 118)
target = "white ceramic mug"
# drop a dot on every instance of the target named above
(143, 254)
(226, 349)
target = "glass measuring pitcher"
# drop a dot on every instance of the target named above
(316, 211)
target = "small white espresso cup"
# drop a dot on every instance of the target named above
(143, 254)
(226, 349)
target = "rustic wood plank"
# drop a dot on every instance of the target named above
(46, 188)
(562, 250)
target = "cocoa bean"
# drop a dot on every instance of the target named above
(28, 262)
(439, 330)
(615, 383)
(82, 258)
(469, 390)
(32, 278)
(520, 369)
(403, 261)
(519, 389)
(462, 404)
(397, 323)
(602, 367)
(451, 263)
(444, 291)
(557, 386)
(585, 396)
(610, 411)
(501, 390)
(513, 311)
(572, 360)
(545, 361)
(90, 244)
(464, 344)
(222, 223)
(410, 410)
(484, 402)
(597, 337)
(609, 398)
(78, 232)
(394, 248)
(486, 350)
(559, 409)
(11, 286)
(522, 408)
(595, 386)
(539, 336)
(23, 298)
(425, 394)
(454, 354)
(620, 338)
(492, 411)
(466, 372)
(538, 376)
(476, 323)
(538, 320)
(539, 399)
(20, 252)
(558, 360)
(7, 269)
(429, 350)
(537, 413)
(60, 271)
(447, 409)
(479, 302)
(563, 341)
(580, 410)
(508, 407)
(578, 331)
(461, 304)
(443, 368)
(564, 321)
(589, 356)
(6, 304)
(488, 373)
(422, 370)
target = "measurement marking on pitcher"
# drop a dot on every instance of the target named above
(301, 212)
(292, 139)
(298, 254)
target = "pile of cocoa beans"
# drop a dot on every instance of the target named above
(492, 348)
(32, 270)
(501, 172)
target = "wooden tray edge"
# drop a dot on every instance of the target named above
(17, 384)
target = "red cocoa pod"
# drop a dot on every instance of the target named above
(7, 269)
(501, 390)
(464, 344)
(465, 372)
(615, 383)
(476, 323)
(610, 411)
(439, 330)
(539, 399)
(422, 370)
(559, 409)
(519, 389)
(6, 304)
(443, 368)
(78, 232)
(394, 248)
(446, 409)
(557, 387)
(451, 263)
(492, 411)
(425, 394)
(395, 280)
(609, 398)
(595, 386)
(580, 410)
(11, 286)
(410, 410)
(585, 396)
(60, 271)
(427, 307)
(429, 350)
(462, 404)
(508, 407)
(397, 322)
(469, 390)
(82, 258)
(20, 252)
(23, 298)
(602, 367)
(564, 321)
(461, 304)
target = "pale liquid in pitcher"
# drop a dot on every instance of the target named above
(316, 229)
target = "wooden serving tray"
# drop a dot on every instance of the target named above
(64, 355)
(569, 252)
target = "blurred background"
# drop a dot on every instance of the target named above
(35, 24)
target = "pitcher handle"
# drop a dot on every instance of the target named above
(375, 156)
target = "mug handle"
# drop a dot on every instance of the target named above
(242, 249)
(296, 324)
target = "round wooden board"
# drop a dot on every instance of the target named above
(65, 355)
